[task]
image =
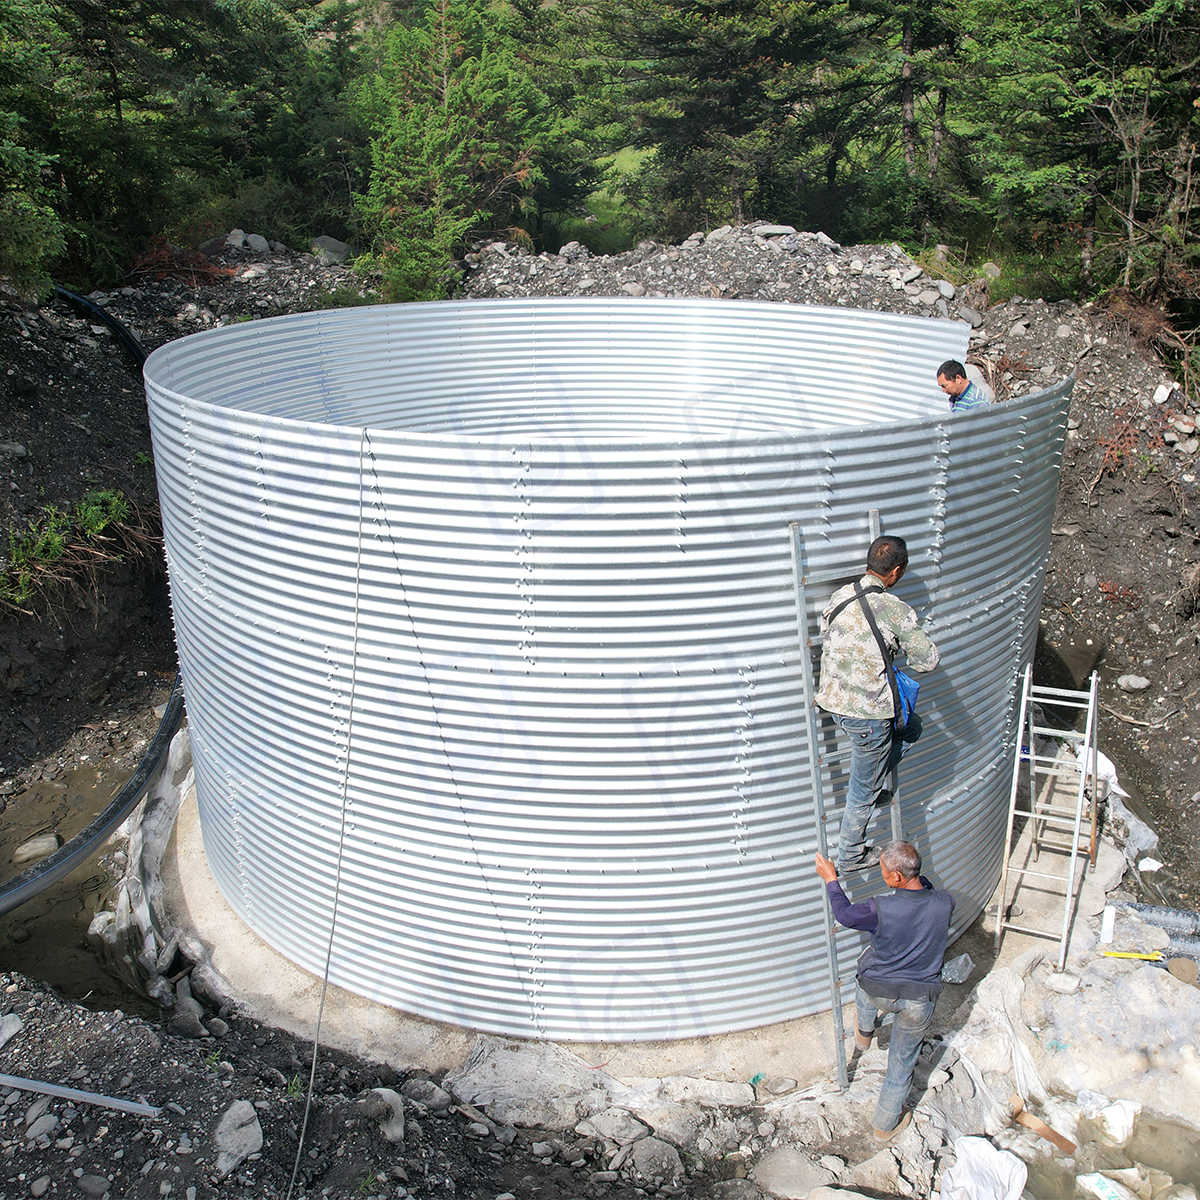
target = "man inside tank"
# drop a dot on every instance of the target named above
(899, 972)
(854, 687)
(962, 392)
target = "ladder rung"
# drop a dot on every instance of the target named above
(833, 812)
(1070, 734)
(1063, 764)
(834, 756)
(1038, 874)
(832, 576)
(1048, 933)
(1040, 689)
(1062, 824)
(1048, 814)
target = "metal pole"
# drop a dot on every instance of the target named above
(1093, 701)
(814, 766)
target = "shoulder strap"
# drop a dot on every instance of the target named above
(845, 603)
(883, 650)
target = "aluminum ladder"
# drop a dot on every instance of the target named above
(819, 734)
(1048, 816)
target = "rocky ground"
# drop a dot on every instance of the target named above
(241, 1092)
(82, 678)
(1107, 1093)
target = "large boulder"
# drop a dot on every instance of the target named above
(529, 1084)
(329, 251)
(790, 1174)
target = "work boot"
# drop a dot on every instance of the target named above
(885, 1137)
(863, 1040)
(867, 857)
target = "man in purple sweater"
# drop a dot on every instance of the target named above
(900, 971)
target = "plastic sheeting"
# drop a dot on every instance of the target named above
(981, 1172)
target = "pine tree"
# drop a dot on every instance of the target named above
(714, 88)
(33, 234)
(461, 134)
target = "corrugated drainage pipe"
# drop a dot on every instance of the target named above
(1183, 926)
(86, 843)
(48, 871)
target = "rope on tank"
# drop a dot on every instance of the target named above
(441, 736)
(337, 878)
(364, 449)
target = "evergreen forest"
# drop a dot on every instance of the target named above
(1056, 136)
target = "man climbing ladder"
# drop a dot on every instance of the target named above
(855, 689)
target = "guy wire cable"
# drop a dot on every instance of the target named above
(337, 882)
(530, 997)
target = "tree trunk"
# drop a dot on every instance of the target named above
(1087, 245)
(939, 132)
(1133, 144)
(907, 107)
(1172, 232)
(114, 80)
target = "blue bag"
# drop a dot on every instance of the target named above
(905, 690)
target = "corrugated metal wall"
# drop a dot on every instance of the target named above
(553, 534)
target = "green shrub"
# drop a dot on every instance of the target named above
(33, 238)
(36, 556)
(97, 510)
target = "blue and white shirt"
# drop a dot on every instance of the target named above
(970, 397)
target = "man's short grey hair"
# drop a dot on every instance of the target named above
(903, 857)
(887, 553)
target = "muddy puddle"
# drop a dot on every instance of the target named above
(1158, 1147)
(46, 938)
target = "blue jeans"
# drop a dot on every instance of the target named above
(875, 751)
(908, 1030)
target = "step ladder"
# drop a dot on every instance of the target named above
(823, 755)
(1061, 795)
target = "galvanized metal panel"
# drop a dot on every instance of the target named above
(526, 566)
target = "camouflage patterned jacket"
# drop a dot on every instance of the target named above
(853, 681)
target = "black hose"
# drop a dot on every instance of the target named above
(128, 340)
(14, 892)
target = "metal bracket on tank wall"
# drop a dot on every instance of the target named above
(803, 579)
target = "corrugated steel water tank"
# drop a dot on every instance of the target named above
(512, 582)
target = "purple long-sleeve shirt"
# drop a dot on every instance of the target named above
(864, 916)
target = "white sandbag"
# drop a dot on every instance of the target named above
(1102, 1187)
(981, 1172)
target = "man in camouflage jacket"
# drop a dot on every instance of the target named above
(854, 687)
